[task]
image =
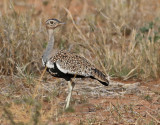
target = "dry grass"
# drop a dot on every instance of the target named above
(122, 37)
(122, 43)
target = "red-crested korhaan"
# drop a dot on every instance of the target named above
(64, 64)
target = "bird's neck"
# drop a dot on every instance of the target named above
(49, 47)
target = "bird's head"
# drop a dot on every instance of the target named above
(53, 23)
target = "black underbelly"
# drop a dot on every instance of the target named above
(57, 73)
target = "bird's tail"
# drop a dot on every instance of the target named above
(100, 76)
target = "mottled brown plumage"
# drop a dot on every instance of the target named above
(69, 63)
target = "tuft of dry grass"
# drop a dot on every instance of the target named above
(119, 44)
(20, 49)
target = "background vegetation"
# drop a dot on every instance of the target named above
(122, 38)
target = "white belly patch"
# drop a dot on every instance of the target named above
(50, 64)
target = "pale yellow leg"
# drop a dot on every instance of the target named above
(70, 88)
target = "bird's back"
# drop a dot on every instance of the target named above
(73, 64)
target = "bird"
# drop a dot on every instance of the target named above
(67, 65)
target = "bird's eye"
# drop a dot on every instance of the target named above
(51, 22)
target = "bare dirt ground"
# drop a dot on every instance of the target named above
(121, 103)
(92, 103)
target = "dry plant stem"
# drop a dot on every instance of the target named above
(36, 87)
(84, 38)
(64, 15)
(153, 117)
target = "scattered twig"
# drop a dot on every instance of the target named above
(153, 117)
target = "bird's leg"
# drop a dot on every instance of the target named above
(71, 85)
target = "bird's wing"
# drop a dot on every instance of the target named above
(76, 65)
(71, 64)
